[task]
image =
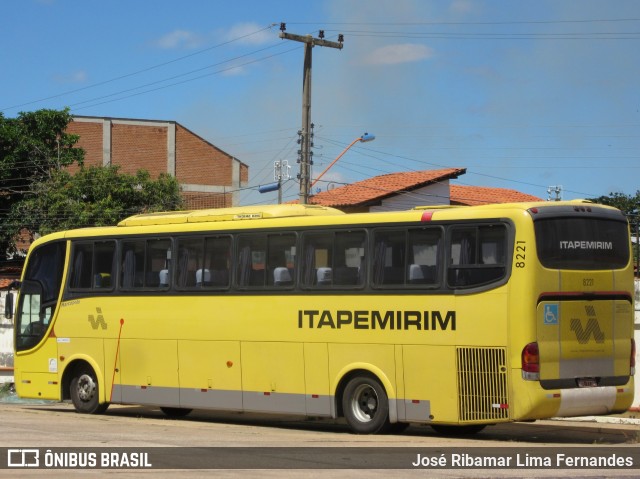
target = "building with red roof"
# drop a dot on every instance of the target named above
(482, 195)
(405, 190)
(394, 191)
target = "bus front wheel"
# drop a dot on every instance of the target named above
(84, 391)
(365, 405)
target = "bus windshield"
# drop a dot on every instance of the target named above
(39, 294)
(582, 243)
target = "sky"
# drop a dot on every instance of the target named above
(538, 96)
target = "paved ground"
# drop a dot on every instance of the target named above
(49, 425)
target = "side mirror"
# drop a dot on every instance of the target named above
(8, 306)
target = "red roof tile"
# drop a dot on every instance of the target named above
(482, 195)
(377, 188)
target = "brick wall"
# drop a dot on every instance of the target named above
(199, 201)
(90, 140)
(198, 162)
(244, 174)
(135, 147)
(207, 174)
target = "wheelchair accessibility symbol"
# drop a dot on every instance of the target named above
(550, 314)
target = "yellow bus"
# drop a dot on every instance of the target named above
(452, 317)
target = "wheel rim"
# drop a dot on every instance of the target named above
(364, 403)
(86, 388)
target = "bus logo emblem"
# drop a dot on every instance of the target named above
(550, 314)
(23, 457)
(99, 321)
(583, 335)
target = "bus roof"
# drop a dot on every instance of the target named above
(285, 216)
(229, 214)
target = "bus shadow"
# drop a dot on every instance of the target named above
(519, 433)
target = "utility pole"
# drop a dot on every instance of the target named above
(305, 133)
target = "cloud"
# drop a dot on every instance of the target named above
(179, 39)
(234, 70)
(78, 76)
(249, 33)
(461, 6)
(242, 33)
(399, 53)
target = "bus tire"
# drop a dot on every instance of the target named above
(175, 411)
(84, 391)
(365, 405)
(467, 430)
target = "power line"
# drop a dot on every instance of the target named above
(423, 162)
(173, 84)
(506, 22)
(498, 36)
(144, 70)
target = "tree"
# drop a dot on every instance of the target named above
(630, 205)
(32, 146)
(94, 196)
(39, 194)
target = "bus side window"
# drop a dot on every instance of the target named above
(132, 264)
(81, 272)
(349, 258)
(317, 260)
(251, 261)
(477, 255)
(281, 260)
(145, 263)
(406, 257)
(266, 260)
(333, 259)
(189, 270)
(423, 256)
(217, 256)
(158, 263)
(92, 265)
(389, 257)
(104, 264)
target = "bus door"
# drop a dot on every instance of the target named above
(37, 375)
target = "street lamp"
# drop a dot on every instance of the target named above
(363, 138)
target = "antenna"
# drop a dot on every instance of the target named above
(554, 189)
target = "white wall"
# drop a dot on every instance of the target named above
(431, 195)
(6, 343)
(636, 399)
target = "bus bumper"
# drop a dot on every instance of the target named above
(534, 402)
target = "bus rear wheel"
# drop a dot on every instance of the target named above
(365, 405)
(84, 391)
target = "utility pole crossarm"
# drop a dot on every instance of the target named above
(311, 40)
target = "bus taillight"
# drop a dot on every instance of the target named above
(632, 360)
(531, 362)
